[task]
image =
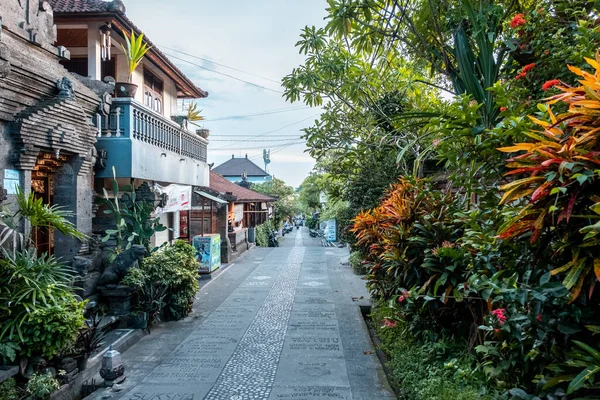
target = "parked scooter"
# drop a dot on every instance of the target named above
(273, 242)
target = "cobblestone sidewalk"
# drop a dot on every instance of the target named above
(281, 323)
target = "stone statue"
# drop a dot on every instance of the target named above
(81, 265)
(126, 260)
(65, 88)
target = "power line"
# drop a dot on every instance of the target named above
(255, 147)
(254, 140)
(224, 74)
(274, 130)
(246, 135)
(278, 111)
(220, 65)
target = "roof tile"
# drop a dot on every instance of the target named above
(237, 166)
(222, 185)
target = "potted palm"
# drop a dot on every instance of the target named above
(135, 51)
(192, 114)
(90, 340)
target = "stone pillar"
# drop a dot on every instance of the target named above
(75, 194)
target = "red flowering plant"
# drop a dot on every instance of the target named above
(551, 34)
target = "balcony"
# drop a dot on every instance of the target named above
(143, 144)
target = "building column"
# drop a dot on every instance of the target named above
(93, 53)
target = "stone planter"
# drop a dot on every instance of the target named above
(125, 89)
(118, 297)
(139, 320)
(180, 120)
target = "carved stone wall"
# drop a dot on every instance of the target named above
(43, 108)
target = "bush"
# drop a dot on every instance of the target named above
(262, 233)
(8, 390)
(37, 308)
(356, 262)
(427, 370)
(41, 386)
(173, 272)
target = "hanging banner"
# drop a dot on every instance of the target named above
(179, 198)
(239, 212)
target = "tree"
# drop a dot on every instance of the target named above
(286, 204)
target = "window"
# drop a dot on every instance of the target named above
(153, 91)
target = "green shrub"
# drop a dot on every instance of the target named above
(175, 269)
(262, 233)
(8, 390)
(37, 308)
(427, 370)
(41, 386)
(356, 262)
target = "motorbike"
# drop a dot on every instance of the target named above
(273, 242)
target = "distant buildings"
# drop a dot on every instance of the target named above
(235, 168)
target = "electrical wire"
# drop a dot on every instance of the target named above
(266, 133)
(254, 140)
(255, 147)
(278, 111)
(220, 65)
(224, 74)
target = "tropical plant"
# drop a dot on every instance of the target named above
(193, 114)
(262, 233)
(561, 172)
(91, 337)
(33, 284)
(135, 50)
(582, 356)
(134, 220)
(37, 215)
(172, 277)
(9, 390)
(41, 386)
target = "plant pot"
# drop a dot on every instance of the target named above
(82, 363)
(203, 133)
(139, 320)
(125, 89)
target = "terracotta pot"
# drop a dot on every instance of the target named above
(125, 89)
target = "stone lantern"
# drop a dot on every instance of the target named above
(112, 367)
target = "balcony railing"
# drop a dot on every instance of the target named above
(128, 118)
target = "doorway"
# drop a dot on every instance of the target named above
(43, 189)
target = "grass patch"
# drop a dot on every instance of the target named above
(428, 370)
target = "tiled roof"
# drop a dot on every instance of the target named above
(237, 166)
(222, 185)
(116, 7)
(64, 6)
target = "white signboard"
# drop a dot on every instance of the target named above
(331, 232)
(239, 212)
(179, 198)
(11, 180)
(176, 228)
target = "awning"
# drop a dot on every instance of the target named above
(210, 197)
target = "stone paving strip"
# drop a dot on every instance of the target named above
(269, 328)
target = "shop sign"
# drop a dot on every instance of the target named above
(11, 181)
(179, 198)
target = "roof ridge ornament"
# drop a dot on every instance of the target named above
(116, 5)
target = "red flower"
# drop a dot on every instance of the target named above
(539, 317)
(499, 313)
(390, 324)
(496, 330)
(517, 20)
(528, 67)
(521, 75)
(401, 299)
(550, 84)
(502, 109)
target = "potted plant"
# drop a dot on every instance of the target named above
(135, 51)
(191, 114)
(90, 340)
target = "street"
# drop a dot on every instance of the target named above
(281, 323)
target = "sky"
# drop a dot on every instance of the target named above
(257, 37)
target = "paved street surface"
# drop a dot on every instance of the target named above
(280, 323)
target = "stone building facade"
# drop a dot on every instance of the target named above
(47, 121)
